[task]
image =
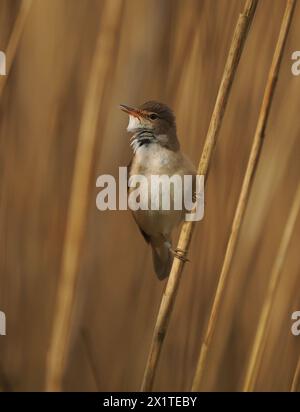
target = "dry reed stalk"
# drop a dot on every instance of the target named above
(245, 190)
(14, 40)
(261, 331)
(87, 346)
(100, 70)
(169, 296)
(296, 378)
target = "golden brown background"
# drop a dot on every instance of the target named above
(173, 51)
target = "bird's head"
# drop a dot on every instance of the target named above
(154, 120)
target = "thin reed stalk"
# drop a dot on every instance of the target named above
(14, 40)
(296, 378)
(261, 331)
(100, 70)
(244, 194)
(169, 296)
(87, 346)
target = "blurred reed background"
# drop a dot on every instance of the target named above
(173, 51)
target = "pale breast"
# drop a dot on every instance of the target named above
(155, 160)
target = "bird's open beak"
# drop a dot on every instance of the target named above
(130, 110)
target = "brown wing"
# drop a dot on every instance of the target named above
(128, 173)
(145, 236)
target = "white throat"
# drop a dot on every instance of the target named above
(134, 124)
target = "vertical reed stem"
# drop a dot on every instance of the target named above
(244, 194)
(261, 331)
(14, 40)
(296, 378)
(101, 66)
(169, 296)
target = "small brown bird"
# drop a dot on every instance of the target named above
(157, 152)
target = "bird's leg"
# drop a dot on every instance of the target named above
(178, 253)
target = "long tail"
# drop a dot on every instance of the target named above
(162, 260)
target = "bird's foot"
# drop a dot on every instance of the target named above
(180, 254)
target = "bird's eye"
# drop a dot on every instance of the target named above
(153, 116)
